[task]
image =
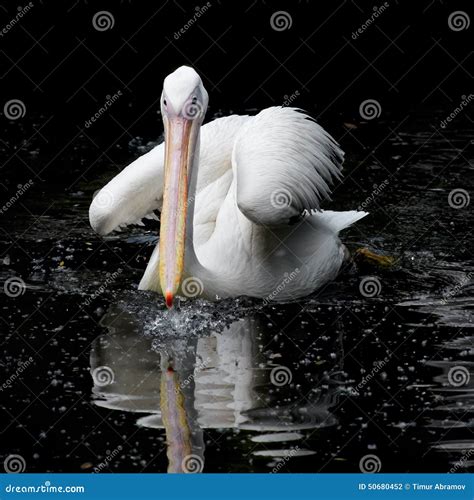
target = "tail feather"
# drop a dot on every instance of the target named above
(340, 220)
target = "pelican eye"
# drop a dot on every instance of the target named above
(164, 102)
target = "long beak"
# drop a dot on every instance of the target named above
(178, 158)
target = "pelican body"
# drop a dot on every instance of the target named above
(239, 199)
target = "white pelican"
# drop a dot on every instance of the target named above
(239, 200)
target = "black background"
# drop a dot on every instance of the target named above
(63, 70)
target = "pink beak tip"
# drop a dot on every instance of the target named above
(169, 299)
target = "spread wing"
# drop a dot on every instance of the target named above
(138, 189)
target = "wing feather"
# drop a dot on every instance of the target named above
(284, 163)
(138, 189)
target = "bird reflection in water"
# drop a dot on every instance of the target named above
(216, 380)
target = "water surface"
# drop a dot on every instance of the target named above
(100, 377)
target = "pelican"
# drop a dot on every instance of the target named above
(239, 199)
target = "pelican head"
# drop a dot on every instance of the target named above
(183, 106)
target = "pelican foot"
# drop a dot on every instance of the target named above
(364, 256)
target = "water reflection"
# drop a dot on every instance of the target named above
(229, 379)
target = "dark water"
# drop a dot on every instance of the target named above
(97, 374)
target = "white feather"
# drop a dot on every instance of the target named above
(284, 163)
(243, 243)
